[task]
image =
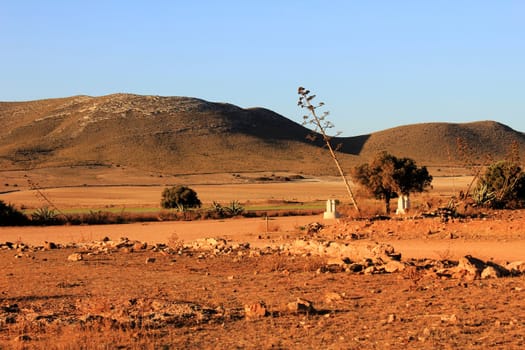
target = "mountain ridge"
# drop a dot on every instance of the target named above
(186, 134)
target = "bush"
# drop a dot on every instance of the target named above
(501, 186)
(10, 216)
(180, 197)
(45, 216)
(219, 211)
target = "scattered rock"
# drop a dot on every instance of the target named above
(256, 310)
(301, 306)
(23, 338)
(314, 228)
(391, 318)
(331, 297)
(140, 246)
(516, 267)
(394, 266)
(355, 267)
(75, 257)
(471, 265)
(150, 260)
(489, 272)
(49, 245)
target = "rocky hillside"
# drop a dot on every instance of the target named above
(188, 135)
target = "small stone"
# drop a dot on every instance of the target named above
(331, 297)
(23, 338)
(256, 310)
(394, 266)
(517, 267)
(452, 318)
(471, 265)
(391, 318)
(49, 245)
(301, 306)
(140, 246)
(489, 272)
(75, 257)
(150, 260)
(355, 267)
(370, 270)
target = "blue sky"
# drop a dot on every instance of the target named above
(376, 64)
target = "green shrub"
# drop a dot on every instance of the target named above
(10, 216)
(503, 186)
(180, 197)
(45, 216)
(235, 208)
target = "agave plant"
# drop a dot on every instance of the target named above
(217, 209)
(482, 195)
(235, 208)
(44, 216)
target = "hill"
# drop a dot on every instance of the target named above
(438, 143)
(183, 135)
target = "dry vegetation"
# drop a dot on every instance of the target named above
(225, 294)
(285, 283)
(163, 290)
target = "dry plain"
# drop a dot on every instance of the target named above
(178, 294)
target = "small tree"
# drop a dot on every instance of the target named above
(180, 197)
(387, 177)
(504, 184)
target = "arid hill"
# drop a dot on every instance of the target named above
(183, 135)
(441, 143)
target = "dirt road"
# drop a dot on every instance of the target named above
(259, 232)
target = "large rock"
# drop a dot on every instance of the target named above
(470, 265)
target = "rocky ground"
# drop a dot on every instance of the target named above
(330, 287)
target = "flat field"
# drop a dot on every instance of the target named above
(164, 287)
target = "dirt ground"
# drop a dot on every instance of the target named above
(195, 298)
(261, 284)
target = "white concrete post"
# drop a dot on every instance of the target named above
(331, 212)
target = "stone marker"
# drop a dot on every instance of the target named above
(331, 212)
(403, 204)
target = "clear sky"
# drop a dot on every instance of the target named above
(376, 64)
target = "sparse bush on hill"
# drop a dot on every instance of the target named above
(502, 185)
(10, 216)
(387, 177)
(180, 197)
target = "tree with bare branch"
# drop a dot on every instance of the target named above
(321, 125)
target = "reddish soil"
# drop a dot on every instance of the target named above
(153, 298)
